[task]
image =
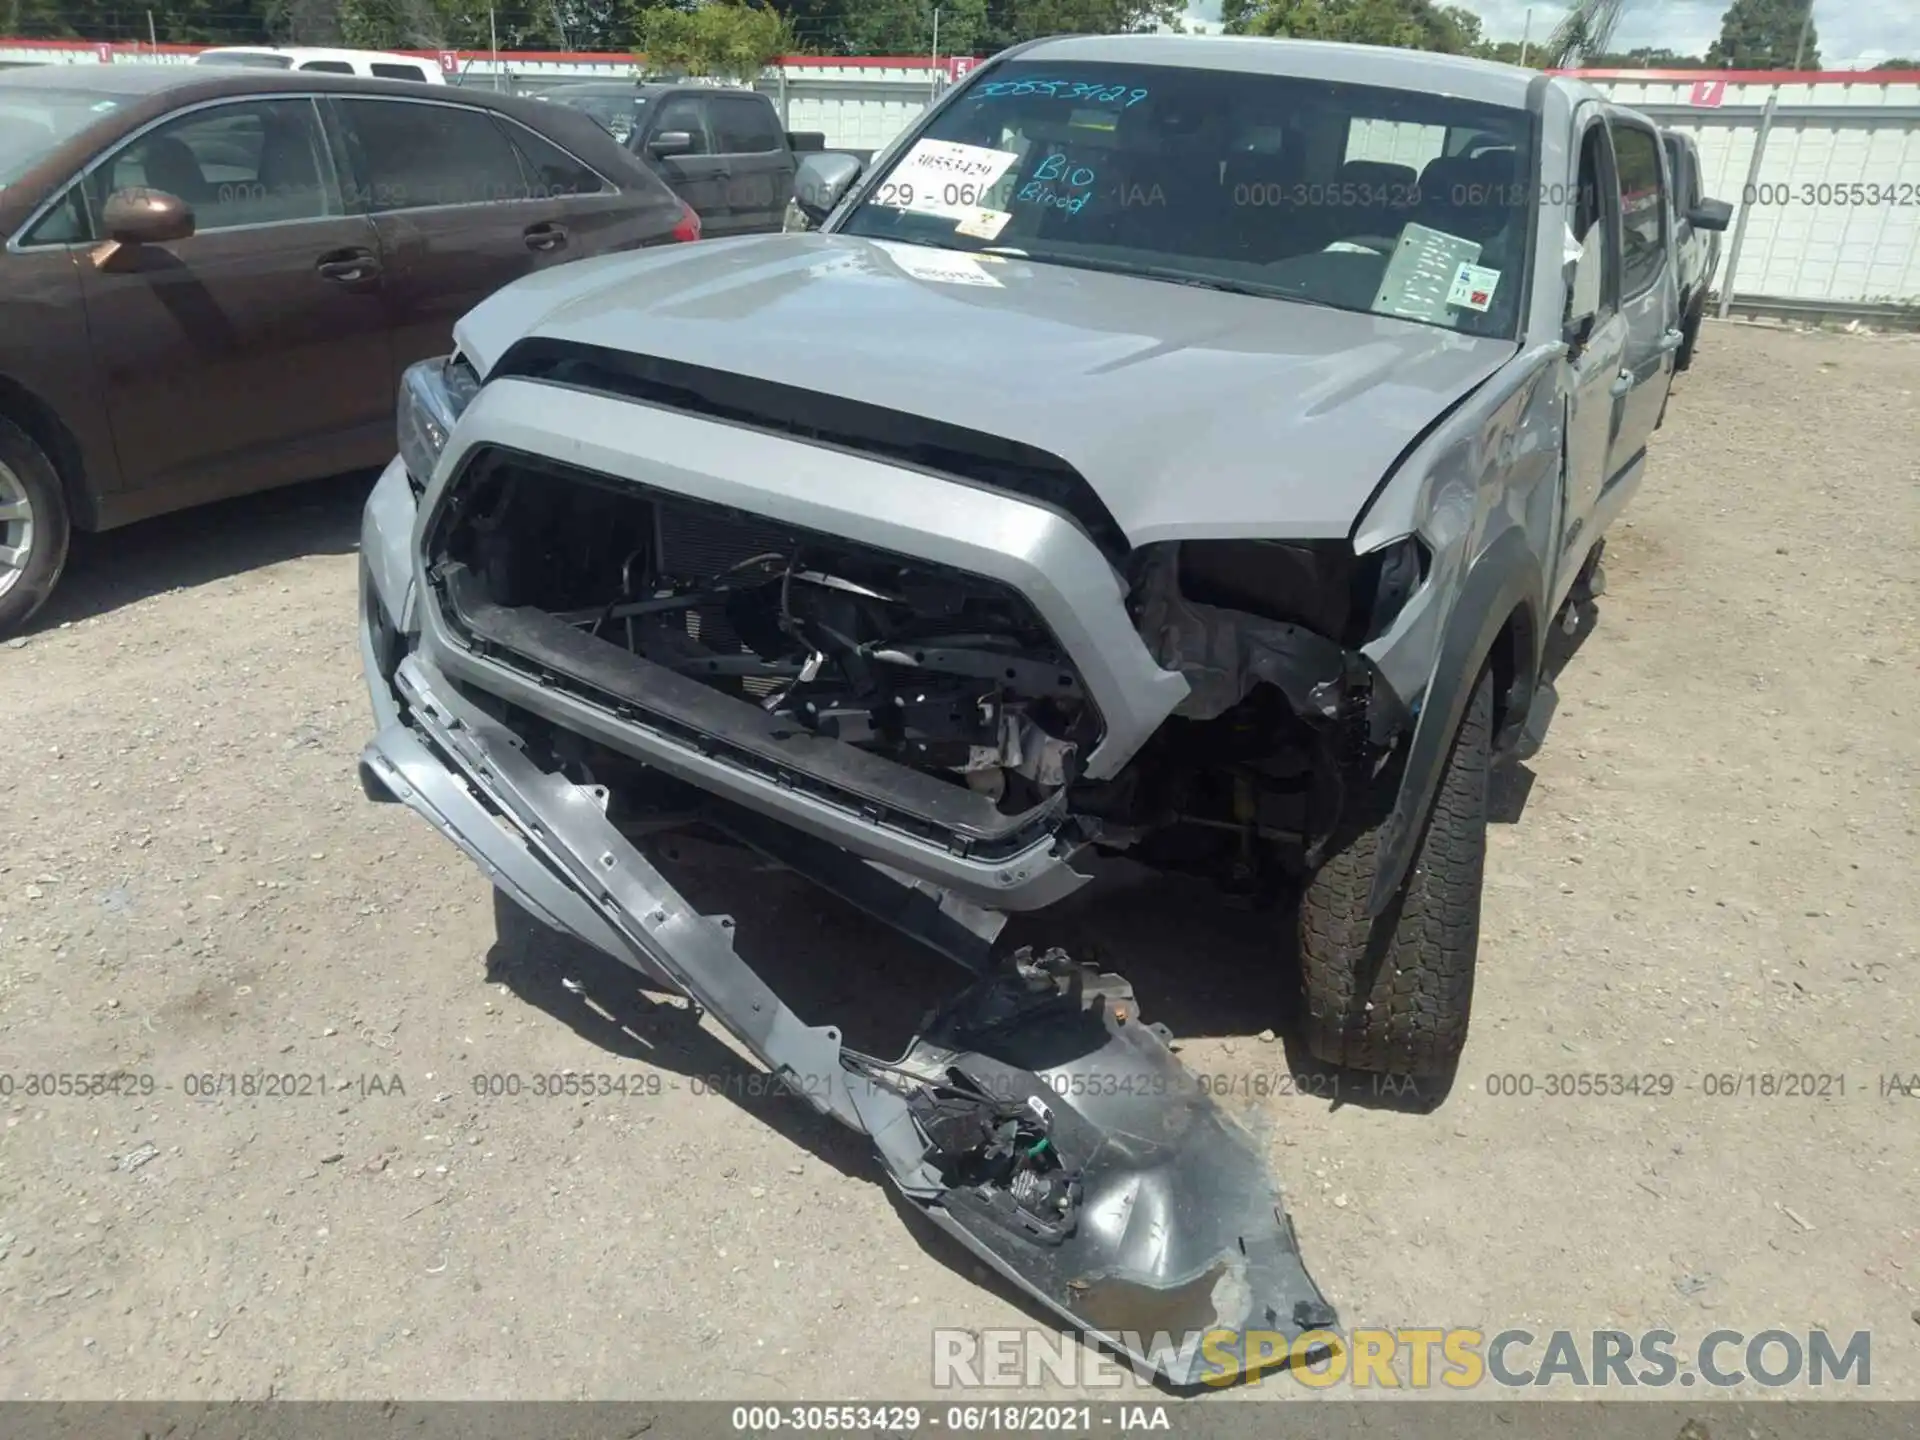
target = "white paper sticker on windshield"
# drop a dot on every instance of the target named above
(944, 267)
(1420, 274)
(984, 224)
(941, 177)
(1473, 287)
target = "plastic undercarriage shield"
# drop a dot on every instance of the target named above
(1037, 1118)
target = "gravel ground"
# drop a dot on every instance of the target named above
(1709, 870)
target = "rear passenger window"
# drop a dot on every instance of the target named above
(329, 67)
(551, 170)
(743, 127)
(1643, 208)
(408, 155)
(387, 70)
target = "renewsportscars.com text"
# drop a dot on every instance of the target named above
(1414, 1359)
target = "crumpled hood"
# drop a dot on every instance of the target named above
(1192, 413)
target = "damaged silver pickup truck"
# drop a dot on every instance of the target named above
(1173, 448)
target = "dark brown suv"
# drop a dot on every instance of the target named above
(213, 278)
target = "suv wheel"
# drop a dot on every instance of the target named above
(33, 527)
(1690, 332)
(1392, 995)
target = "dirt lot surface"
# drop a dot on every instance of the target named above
(1709, 871)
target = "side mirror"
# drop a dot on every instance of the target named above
(821, 182)
(1711, 215)
(669, 143)
(806, 142)
(146, 217)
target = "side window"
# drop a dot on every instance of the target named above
(684, 112)
(1597, 282)
(387, 70)
(255, 162)
(412, 154)
(744, 127)
(65, 224)
(1643, 207)
(329, 67)
(551, 170)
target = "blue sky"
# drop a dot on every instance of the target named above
(1853, 33)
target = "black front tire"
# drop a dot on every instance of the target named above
(1392, 995)
(46, 555)
(1690, 333)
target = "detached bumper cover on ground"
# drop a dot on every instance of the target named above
(1038, 1119)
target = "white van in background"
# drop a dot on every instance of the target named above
(378, 64)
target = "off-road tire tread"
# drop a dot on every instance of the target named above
(1393, 996)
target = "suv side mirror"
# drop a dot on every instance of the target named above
(146, 217)
(1711, 215)
(669, 143)
(821, 182)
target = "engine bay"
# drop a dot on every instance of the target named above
(949, 673)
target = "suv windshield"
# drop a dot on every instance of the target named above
(33, 121)
(1396, 202)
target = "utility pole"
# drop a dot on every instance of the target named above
(1806, 24)
(153, 40)
(1526, 35)
(933, 73)
(493, 44)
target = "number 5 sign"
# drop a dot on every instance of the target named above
(959, 65)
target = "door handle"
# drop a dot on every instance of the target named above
(347, 267)
(545, 236)
(1670, 341)
(1623, 384)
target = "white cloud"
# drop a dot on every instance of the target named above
(1853, 33)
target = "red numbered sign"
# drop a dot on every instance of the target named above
(1709, 93)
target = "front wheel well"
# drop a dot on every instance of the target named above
(1515, 673)
(47, 430)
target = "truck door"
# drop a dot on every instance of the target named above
(1649, 296)
(747, 133)
(696, 174)
(1597, 341)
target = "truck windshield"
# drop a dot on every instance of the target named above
(255, 59)
(1359, 197)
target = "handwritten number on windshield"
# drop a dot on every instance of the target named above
(1063, 90)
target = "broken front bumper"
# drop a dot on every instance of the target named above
(1037, 1119)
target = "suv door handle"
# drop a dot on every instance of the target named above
(348, 267)
(1623, 384)
(547, 235)
(1671, 340)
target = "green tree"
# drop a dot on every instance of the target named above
(905, 27)
(1011, 21)
(1647, 57)
(722, 38)
(1898, 64)
(1408, 24)
(1763, 35)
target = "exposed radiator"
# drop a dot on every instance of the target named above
(696, 544)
